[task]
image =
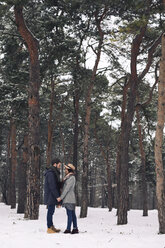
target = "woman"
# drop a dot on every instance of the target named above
(68, 198)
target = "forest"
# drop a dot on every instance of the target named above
(83, 81)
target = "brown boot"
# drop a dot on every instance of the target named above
(55, 229)
(51, 230)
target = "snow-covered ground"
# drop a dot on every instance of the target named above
(98, 230)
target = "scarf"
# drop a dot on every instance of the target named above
(56, 172)
(67, 176)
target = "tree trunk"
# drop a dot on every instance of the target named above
(143, 170)
(22, 168)
(109, 187)
(50, 127)
(4, 174)
(76, 128)
(63, 143)
(84, 201)
(160, 180)
(8, 190)
(103, 193)
(126, 125)
(92, 183)
(108, 167)
(76, 132)
(33, 171)
(118, 162)
(13, 163)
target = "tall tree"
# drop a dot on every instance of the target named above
(84, 203)
(160, 175)
(143, 166)
(33, 172)
(130, 92)
(13, 163)
(105, 154)
(50, 126)
(126, 124)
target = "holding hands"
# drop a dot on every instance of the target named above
(58, 199)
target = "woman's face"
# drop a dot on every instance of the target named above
(66, 171)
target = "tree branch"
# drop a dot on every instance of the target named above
(150, 57)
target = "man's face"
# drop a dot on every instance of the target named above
(58, 165)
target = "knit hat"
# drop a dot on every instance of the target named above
(70, 167)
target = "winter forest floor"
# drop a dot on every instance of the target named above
(98, 230)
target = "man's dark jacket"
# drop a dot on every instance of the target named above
(52, 186)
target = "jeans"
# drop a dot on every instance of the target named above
(71, 218)
(51, 209)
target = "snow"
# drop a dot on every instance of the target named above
(98, 230)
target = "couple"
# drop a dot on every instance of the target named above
(52, 197)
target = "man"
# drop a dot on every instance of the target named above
(52, 192)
